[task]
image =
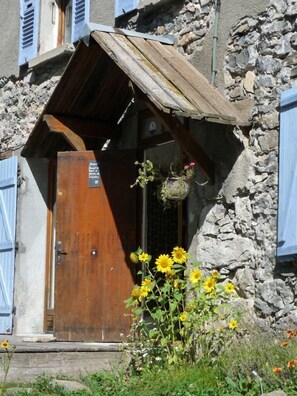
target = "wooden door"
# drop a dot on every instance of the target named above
(96, 231)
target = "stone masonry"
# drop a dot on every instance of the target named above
(232, 223)
(234, 230)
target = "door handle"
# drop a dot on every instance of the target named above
(59, 252)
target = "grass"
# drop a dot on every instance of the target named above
(229, 375)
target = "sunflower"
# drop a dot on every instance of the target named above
(144, 291)
(229, 288)
(183, 317)
(215, 274)
(179, 255)
(143, 257)
(147, 282)
(195, 276)
(277, 370)
(136, 293)
(5, 344)
(233, 324)
(164, 263)
(209, 285)
(134, 258)
(177, 283)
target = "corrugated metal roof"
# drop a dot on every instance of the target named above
(95, 85)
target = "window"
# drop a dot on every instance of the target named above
(287, 208)
(123, 6)
(47, 24)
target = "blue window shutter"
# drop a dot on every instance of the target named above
(8, 198)
(29, 14)
(80, 15)
(287, 208)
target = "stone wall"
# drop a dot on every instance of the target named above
(233, 222)
(22, 101)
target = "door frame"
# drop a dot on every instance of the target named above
(48, 321)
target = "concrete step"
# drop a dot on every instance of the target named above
(73, 359)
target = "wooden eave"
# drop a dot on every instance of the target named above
(104, 76)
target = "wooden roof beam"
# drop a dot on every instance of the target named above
(81, 127)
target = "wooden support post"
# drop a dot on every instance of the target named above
(183, 137)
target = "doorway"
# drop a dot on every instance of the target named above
(95, 232)
(162, 228)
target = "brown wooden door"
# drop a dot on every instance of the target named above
(96, 225)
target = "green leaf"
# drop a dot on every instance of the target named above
(157, 315)
(139, 250)
(138, 311)
(178, 296)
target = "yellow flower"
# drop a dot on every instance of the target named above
(229, 288)
(188, 308)
(195, 276)
(233, 324)
(277, 370)
(144, 291)
(177, 283)
(136, 293)
(143, 257)
(179, 255)
(209, 285)
(134, 258)
(5, 344)
(183, 317)
(215, 274)
(147, 282)
(164, 263)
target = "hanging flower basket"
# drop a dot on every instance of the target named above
(175, 189)
(172, 188)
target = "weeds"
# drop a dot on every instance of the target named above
(5, 362)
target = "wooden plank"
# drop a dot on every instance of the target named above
(80, 68)
(199, 83)
(71, 137)
(82, 127)
(176, 77)
(156, 73)
(128, 63)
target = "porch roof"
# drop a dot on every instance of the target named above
(105, 74)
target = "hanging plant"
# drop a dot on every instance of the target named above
(174, 189)
(174, 186)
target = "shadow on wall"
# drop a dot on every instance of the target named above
(223, 148)
(39, 171)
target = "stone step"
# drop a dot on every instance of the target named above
(72, 359)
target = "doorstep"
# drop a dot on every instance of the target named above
(41, 354)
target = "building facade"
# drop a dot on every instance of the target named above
(37, 44)
(248, 51)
